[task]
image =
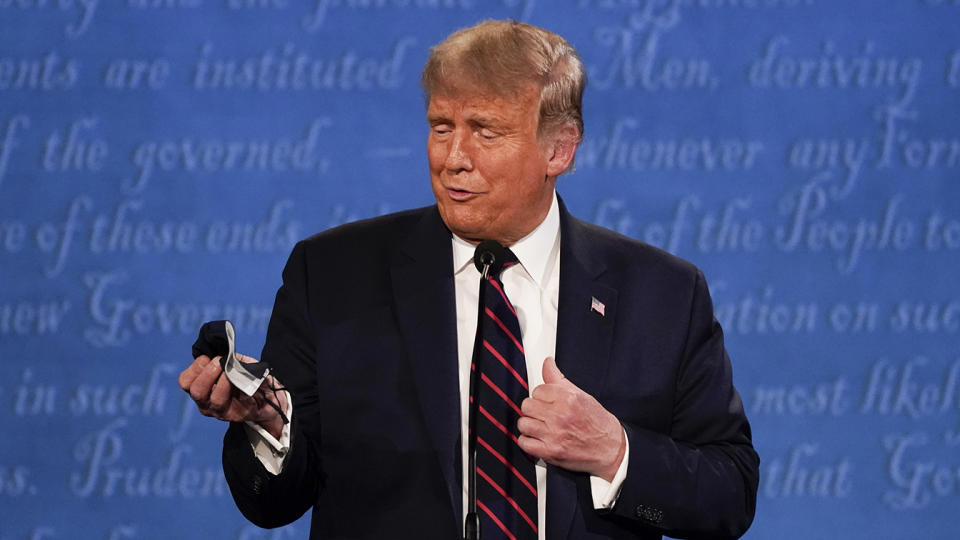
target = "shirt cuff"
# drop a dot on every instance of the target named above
(605, 493)
(270, 451)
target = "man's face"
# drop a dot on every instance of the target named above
(488, 170)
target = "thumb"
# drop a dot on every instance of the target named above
(551, 373)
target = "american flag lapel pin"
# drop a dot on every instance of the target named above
(596, 305)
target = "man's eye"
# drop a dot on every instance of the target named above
(487, 134)
(440, 130)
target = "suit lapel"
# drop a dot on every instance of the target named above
(422, 274)
(584, 335)
(582, 355)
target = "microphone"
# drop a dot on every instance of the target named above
(489, 258)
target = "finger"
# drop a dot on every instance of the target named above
(532, 446)
(534, 408)
(201, 387)
(246, 359)
(531, 427)
(551, 373)
(547, 393)
(220, 395)
(188, 375)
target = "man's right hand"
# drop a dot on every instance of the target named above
(216, 397)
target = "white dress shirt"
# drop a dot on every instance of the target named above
(533, 287)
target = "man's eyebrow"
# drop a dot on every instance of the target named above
(484, 119)
(479, 119)
(487, 120)
(436, 118)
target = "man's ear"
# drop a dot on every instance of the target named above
(561, 147)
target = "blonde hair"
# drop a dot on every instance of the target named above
(501, 58)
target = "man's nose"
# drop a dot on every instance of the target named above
(458, 156)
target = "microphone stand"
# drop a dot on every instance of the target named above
(489, 257)
(471, 525)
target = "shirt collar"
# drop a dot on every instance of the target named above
(535, 251)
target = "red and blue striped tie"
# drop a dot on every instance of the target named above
(506, 477)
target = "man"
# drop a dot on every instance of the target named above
(635, 426)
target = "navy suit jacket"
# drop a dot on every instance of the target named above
(363, 333)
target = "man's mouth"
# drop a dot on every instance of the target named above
(459, 194)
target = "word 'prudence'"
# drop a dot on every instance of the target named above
(104, 474)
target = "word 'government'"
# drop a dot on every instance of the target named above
(917, 469)
(118, 318)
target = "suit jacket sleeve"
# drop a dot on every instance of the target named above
(265, 499)
(699, 478)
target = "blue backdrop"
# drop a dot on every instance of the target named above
(159, 158)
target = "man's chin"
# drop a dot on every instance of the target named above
(469, 232)
(473, 237)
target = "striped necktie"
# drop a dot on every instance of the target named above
(506, 478)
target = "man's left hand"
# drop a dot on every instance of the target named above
(567, 427)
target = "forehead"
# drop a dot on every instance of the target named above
(518, 106)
